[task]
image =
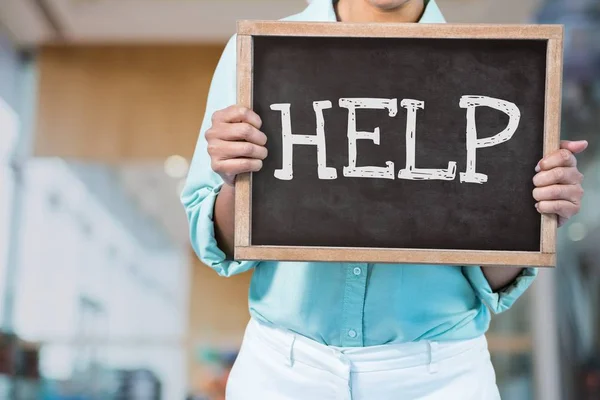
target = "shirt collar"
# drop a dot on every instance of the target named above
(322, 10)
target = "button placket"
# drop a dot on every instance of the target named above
(354, 298)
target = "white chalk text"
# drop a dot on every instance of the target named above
(410, 170)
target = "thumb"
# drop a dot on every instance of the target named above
(574, 147)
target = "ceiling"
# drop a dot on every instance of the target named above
(37, 21)
(32, 22)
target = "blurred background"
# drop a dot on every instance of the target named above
(100, 296)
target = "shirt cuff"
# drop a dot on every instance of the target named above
(202, 230)
(504, 299)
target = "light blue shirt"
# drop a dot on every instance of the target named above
(342, 304)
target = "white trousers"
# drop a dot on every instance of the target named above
(274, 364)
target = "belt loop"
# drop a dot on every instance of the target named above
(433, 365)
(291, 354)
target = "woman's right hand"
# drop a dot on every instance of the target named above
(235, 142)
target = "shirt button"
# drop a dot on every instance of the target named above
(357, 271)
(352, 333)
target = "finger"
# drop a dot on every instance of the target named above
(560, 175)
(235, 166)
(562, 221)
(562, 208)
(239, 132)
(225, 150)
(560, 158)
(234, 114)
(574, 147)
(572, 193)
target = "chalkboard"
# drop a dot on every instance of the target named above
(399, 148)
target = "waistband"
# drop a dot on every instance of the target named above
(297, 348)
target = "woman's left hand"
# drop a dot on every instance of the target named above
(558, 182)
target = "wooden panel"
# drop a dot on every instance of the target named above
(218, 314)
(111, 103)
(552, 129)
(513, 344)
(243, 181)
(409, 30)
(409, 256)
(218, 306)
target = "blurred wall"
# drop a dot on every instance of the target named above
(116, 103)
(9, 68)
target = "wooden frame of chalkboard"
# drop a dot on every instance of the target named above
(244, 247)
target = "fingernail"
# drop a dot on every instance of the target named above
(537, 168)
(537, 206)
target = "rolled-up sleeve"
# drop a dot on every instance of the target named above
(504, 299)
(203, 184)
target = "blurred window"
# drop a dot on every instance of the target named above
(8, 137)
(103, 305)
